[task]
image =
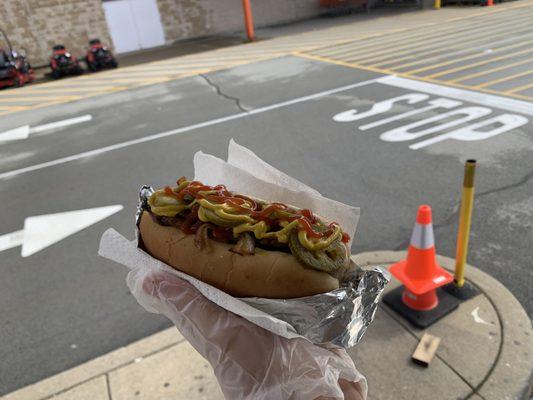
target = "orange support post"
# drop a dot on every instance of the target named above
(490, 3)
(248, 20)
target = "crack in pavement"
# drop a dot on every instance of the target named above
(457, 206)
(219, 92)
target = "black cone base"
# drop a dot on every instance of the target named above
(421, 319)
(466, 292)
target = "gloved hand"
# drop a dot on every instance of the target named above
(249, 361)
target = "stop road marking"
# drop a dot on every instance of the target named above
(478, 128)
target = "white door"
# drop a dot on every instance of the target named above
(134, 24)
(148, 22)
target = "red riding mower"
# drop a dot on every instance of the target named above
(99, 56)
(63, 63)
(15, 70)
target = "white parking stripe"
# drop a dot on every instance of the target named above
(61, 124)
(63, 160)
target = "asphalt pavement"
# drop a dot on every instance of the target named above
(64, 305)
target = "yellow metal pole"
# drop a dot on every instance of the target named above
(463, 234)
(437, 5)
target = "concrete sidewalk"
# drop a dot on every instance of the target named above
(485, 353)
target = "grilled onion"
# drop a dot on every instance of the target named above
(245, 245)
(201, 237)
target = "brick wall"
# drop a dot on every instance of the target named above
(36, 25)
(184, 19)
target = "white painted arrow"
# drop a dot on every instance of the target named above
(19, 133)
(23, 132)
(42, 231)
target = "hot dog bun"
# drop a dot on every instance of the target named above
(268, 274)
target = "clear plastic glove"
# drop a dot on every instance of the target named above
(249, 361)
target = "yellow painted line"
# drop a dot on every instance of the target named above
(36, 98)
(443, 52)
(343, 63)
(414, 33)
(389, 54)
(388, 72)
(75, 89)
(469, 57)
(385, 53)
(519, 88)
(150, 75)
(222, 58)
(355, 43)
(178, 69)
(422, 57)
(21, 99)
(63, 85)
(288, 47)
(125, 82)
(468, 16)
(504, 79)
(397, 35)
(492, 70)
(477, 64)
(166, 71)
(13, 108)
(95, 82)
(178, 62)
(340, 39)
(185, 67)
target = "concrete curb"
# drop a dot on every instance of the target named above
(508, 378)
(97, 367)
(514, 363)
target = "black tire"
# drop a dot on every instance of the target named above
(113, 63)
(56, 74)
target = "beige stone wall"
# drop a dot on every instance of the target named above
(36, 25)
(184, 19)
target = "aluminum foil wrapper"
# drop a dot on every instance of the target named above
(337, 318)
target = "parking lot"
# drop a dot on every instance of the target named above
(339, 119)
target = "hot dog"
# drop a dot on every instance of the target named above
(244, 246)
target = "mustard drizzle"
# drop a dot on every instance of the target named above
(164, 205)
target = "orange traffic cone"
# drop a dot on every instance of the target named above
(421, 276)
